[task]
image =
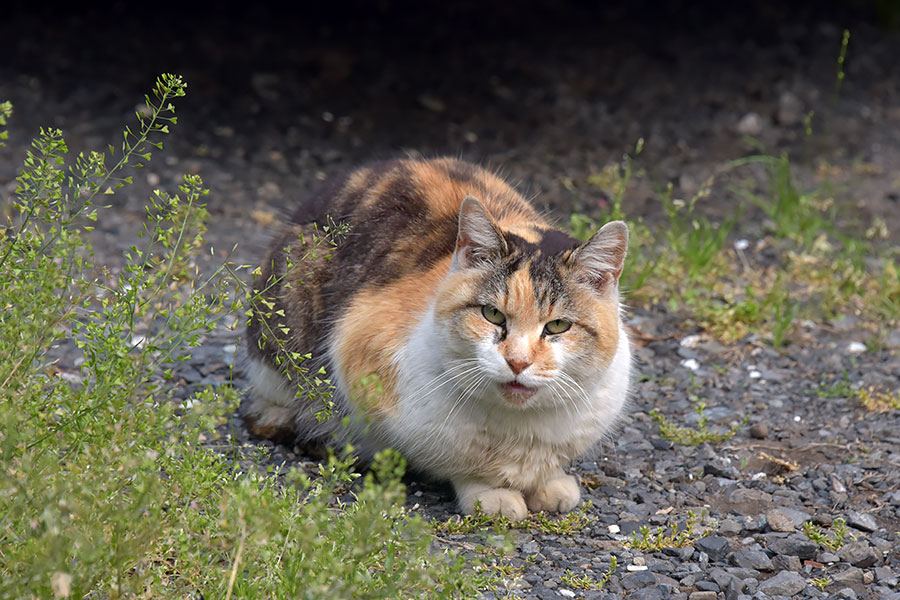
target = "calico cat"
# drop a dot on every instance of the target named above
(456, 325)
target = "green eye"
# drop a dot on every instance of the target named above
(557, 326)
(493, 315)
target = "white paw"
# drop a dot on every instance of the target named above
(557, 495)
(496, 501)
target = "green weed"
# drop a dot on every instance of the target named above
(586, 582)
(877, 400)
(687, 436)
(834, 539)
(106, 487)
(654, 540)
(838, 388)
(540, 522)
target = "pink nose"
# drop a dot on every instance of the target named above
(517, 366)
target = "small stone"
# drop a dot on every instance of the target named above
(759, 430)
(846, 593)
(749, 558)
(751, 496)
(707, 586)
(650, 593)
(530, 548)
(750, 124)
(863, 521)
(716, 547)
(859, 554)
(786, 583)
(779, 521)
(703, 595)
(794, 546)
(730, 527)
(787, 563)
(856, 348)
(638, 580)
(886, 577)
(851, 575)
(798, 517)
(724, 579)
(566, 593)
(790, 109)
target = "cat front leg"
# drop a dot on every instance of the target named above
(560, 493)
(269, 412)
(493, 500)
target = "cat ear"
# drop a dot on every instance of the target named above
(602, 257)
(478, 239)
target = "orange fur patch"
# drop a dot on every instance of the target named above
(605, 322)
(374, 329)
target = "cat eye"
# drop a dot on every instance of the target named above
(557, 326)
(493, 315)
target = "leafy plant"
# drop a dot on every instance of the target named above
(878, 400)
(820, 583)
(586, 582)
(833, 539)
(107, 488)
(687, 436)
(652, 540)
(569, 523)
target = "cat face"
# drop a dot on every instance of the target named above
(528, 314)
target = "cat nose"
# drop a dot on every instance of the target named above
(517, 366)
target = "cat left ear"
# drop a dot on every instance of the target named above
(602, 257)
(478, 239)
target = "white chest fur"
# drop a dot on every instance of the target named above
(446, 436)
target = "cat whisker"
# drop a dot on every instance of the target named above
(461, 400)
(580, 399)
(460, 363)
(448, 376)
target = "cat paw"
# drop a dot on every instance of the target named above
(496, 501)
(269, 421)
(560, 494)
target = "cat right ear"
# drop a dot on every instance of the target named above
(478, 239)
(602, 257)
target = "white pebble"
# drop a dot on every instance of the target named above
(755, 374)
(758, 476)
(636, 567)
(750, 124)
(614, 529)
(797, 418)
(741, 244)
(566, 593)
(691, 364)
(856, 347)
(689, 341)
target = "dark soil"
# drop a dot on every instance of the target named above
(550, 93)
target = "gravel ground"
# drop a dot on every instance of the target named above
(552, 94)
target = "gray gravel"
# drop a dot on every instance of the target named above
(552, 97)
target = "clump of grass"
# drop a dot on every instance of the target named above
(586, 582)
(820, 583)
(687, 436)
(821, 272)
(879, 400)
(540, 522)
(653, 540)
(833, 539)
(839, 387)
(106, 486)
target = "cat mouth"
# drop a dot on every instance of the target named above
(516, 393)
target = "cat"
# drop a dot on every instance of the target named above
(456, 326)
